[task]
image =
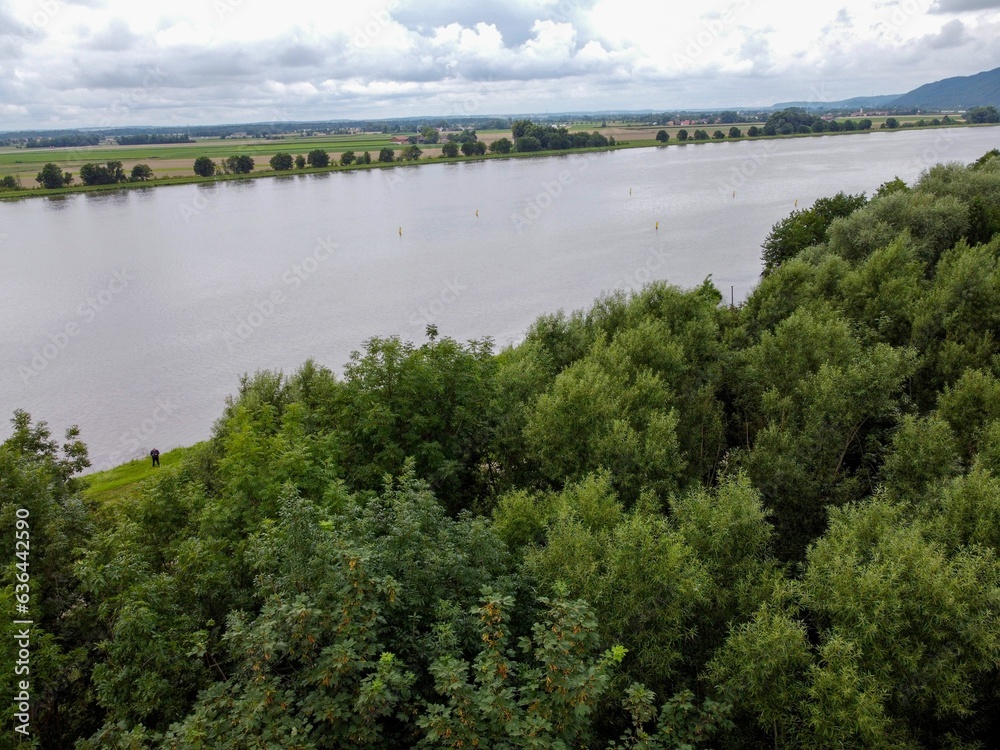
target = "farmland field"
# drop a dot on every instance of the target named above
(176, 159)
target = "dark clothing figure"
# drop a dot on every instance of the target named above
(156, 456)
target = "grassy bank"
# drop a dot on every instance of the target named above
(106, 488)
(172, 163)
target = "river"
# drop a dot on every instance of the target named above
(133, 313)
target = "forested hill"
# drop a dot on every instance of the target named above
(960, 92)
(658, 523)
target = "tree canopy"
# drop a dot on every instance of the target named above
(658, 522)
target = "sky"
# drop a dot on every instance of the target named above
(106, 63)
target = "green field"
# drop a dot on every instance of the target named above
(177, 159)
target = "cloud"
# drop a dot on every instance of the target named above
(952, 35)
(389, 58)
(115, 37)
(756, 50)
(300, 56)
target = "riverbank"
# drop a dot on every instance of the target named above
(34, 192)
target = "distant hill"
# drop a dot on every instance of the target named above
(869, 102)
(961, 92)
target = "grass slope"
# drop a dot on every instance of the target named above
(107, 487)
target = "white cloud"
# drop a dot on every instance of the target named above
(233, 59)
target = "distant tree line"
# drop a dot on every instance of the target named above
(152, 138)
(982, 115)
(60, 141)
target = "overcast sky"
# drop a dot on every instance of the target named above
(87, 63)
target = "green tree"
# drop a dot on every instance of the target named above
(817, 441)
(10, 182)
(763, 669)
(97, 174)
(735, 132)
(592, 546)
(50, 177)
(347, 158)
(982, 115)
(204, 166)
(386, 155)
(718, 135)
(806, 227)
(872, 584)
(46, 523)
(296, 671)
(527, 143)
(239, 164)
(318, 158)
(468, 148)
(141, 172)
(501, 146)
(281, 162)
(546, 700)
(892, 123)
(449, 149)
(434, 403)
(365, 158)
(411, 153)
(300, 162)
(662, 136)
(682, 135)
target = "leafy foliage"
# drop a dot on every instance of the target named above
(660, 522)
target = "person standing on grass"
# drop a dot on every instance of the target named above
(156, 456)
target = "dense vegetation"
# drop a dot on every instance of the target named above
(659, 523)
